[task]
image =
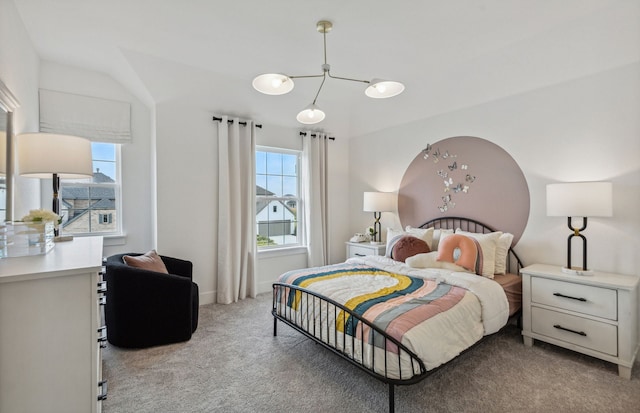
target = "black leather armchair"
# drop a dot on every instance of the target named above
(146, 308)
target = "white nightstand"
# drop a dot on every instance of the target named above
(593, 314)
(361, 249)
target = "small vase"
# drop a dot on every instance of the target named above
(40, 233)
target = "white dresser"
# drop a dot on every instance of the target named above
(50, 330)
(593, 314)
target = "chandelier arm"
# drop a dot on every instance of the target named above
(346, 78)
(319, 89)
(305, 76)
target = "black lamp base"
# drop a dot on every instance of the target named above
(576, 233)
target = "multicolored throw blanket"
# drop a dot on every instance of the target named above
(395, 303)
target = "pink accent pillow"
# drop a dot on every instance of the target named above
(408, 246)
(459, 250)
(150, 261)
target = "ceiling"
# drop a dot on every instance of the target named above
(450, 54)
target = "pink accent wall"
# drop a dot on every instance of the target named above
(472, 178)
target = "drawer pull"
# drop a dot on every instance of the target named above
(103, 392)
(572, 298)
(102, 287)
(580, 333)
(102, 338)
(359, 255)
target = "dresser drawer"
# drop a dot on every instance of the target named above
(585, 299)
(583, 332)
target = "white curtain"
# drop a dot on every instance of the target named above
(315, 151)
(236, 210)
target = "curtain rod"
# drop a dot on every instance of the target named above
(215, 119)
(313, 135)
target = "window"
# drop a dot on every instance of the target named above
(278, 201)
(91, 206)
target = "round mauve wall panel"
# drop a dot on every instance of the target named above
(469, 177)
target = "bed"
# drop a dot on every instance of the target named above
(402, 316)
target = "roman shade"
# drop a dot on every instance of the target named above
(100, 120)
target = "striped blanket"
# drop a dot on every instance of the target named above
(395, 303)
(435, 313)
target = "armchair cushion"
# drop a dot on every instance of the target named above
(148, 308)
(150, 261)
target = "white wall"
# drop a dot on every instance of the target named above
(19, 66)
(585, 129)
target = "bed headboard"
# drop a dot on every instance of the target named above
(514, 264)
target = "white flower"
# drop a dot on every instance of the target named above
(42, 215)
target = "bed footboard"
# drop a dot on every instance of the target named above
(348, 335)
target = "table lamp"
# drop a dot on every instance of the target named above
(50, 155)
(378, 202)
(579, 199)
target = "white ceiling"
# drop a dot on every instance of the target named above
(450, 54)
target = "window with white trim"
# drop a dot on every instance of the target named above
(279, 216)
(90, 206)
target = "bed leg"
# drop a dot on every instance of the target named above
(275, 326)
(392, 399)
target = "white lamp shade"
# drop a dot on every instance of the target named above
(380, 89)
(42, 154)
(310, 115)
(3, 152)
(379, 202)
(580, 199)
(273, 84)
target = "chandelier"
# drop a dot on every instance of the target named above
(279, 84)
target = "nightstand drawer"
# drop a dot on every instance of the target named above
(356, 249)
(585, 299)
(583, 332)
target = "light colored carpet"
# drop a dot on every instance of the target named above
(234, 364)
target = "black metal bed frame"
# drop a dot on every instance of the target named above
(321, 312)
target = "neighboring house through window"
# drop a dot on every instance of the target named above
(278, 200)
(93, 205)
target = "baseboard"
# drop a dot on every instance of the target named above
(208, 297)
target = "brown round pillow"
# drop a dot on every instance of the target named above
(408, 246)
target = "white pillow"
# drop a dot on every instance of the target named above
(502, 250)
(425, 234)
(436, 237)
(486, 264)
(393, 235)
(429, 260)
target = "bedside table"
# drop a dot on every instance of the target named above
(361, 249)
(593, 314)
